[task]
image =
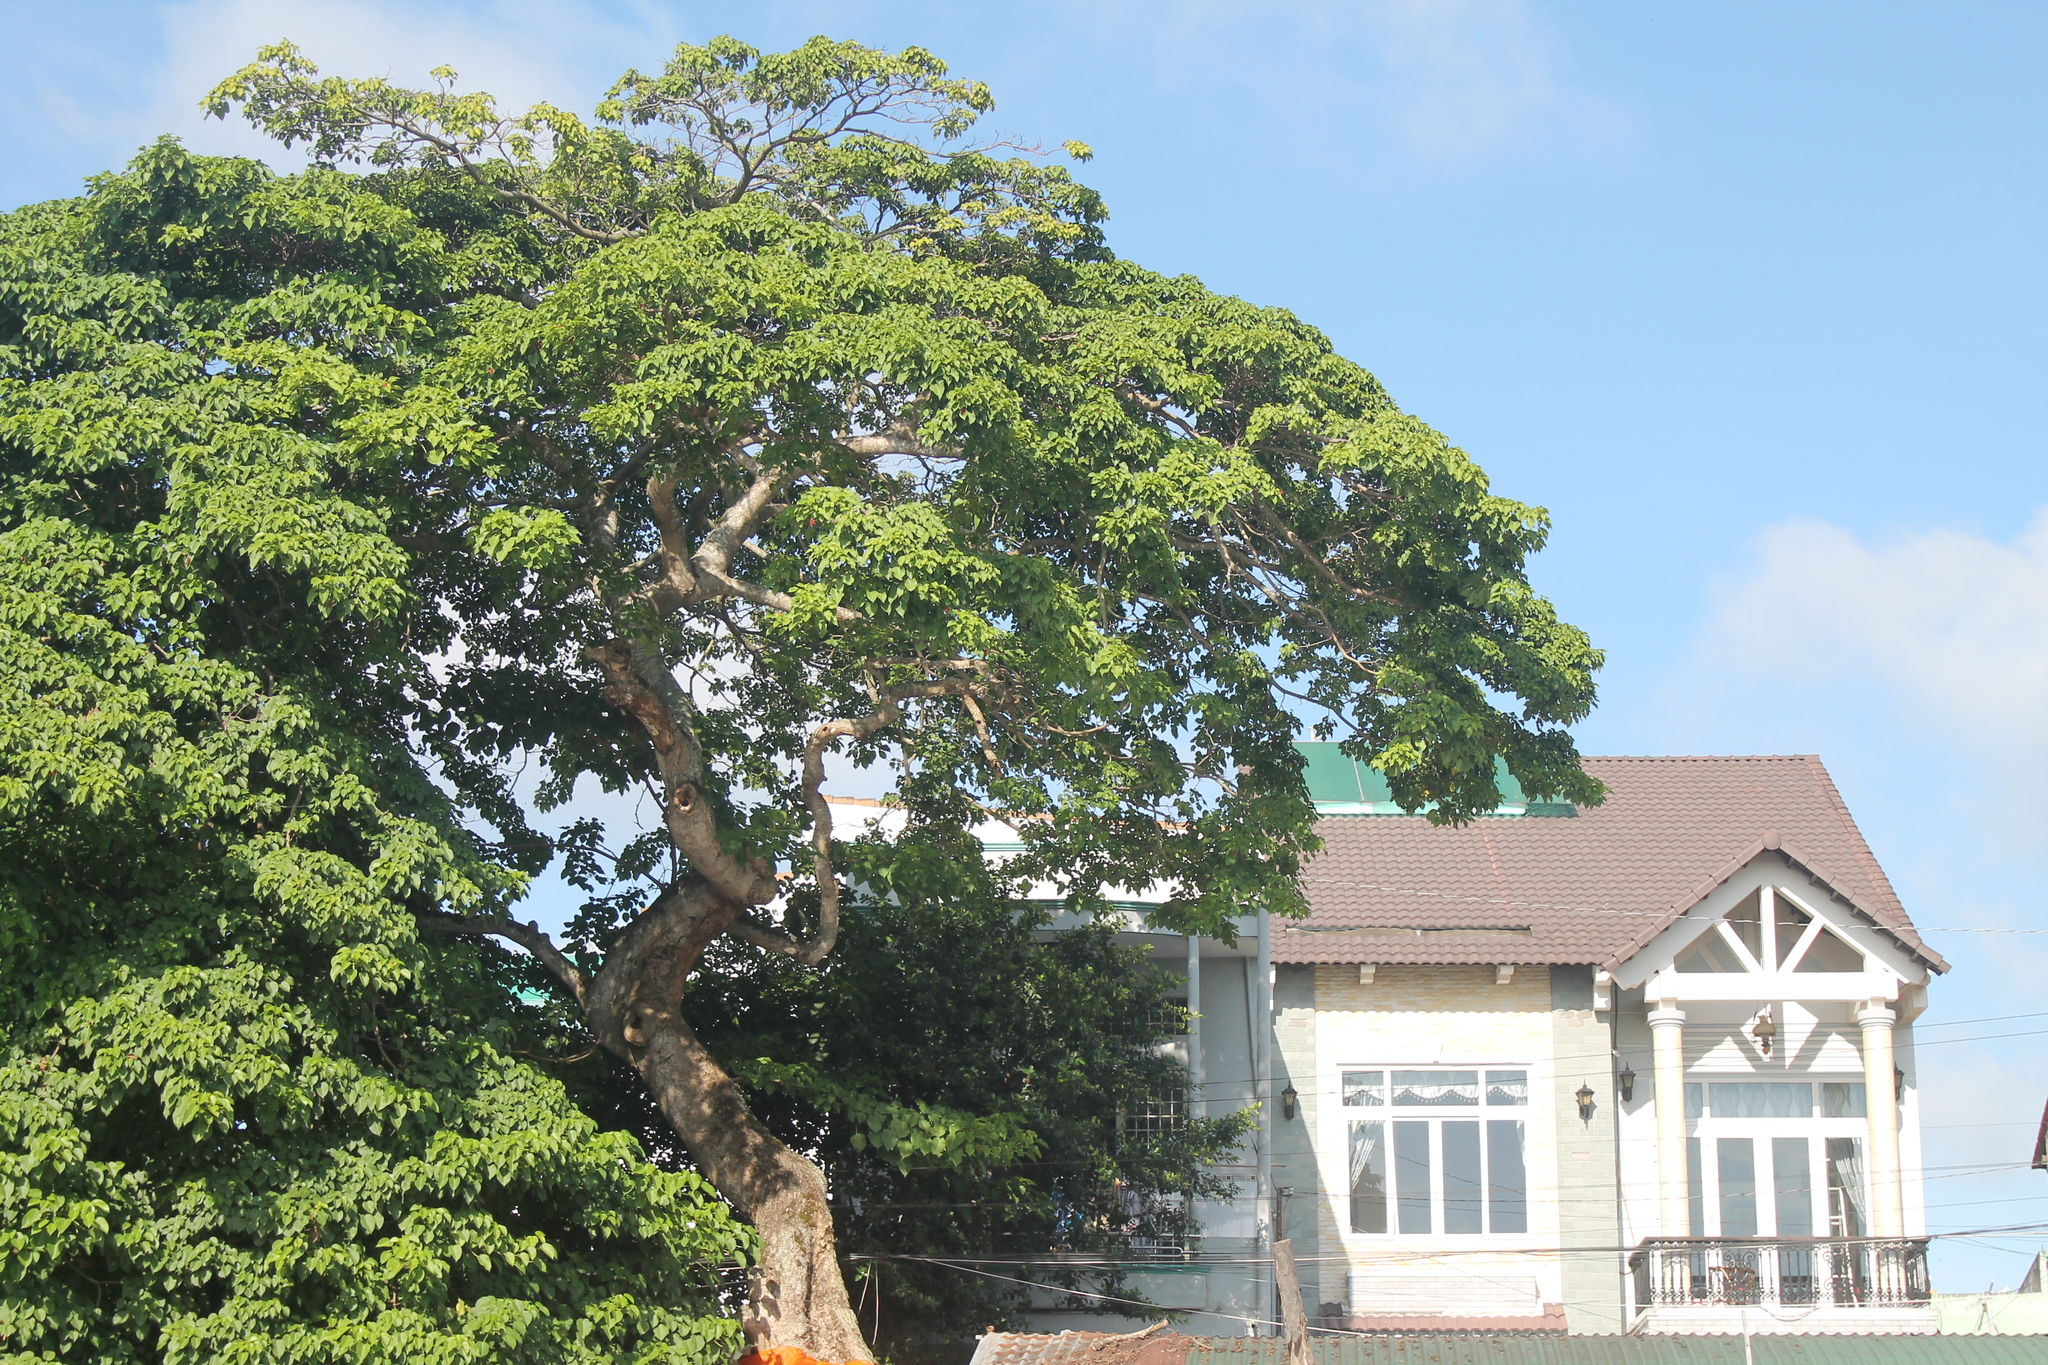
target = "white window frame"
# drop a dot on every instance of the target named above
(1816, 1129)
(1337, 1143)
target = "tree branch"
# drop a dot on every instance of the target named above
(1158, 408)
(822, 738)
(527, 936)
(638, 683)
(761, 936)
(454, 151)
(713, 556)
(897, 440)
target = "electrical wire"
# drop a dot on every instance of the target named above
(1511, 902)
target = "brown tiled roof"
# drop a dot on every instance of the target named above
(1591, 887)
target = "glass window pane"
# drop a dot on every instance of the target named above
(1695, 1099)
(1507, 1087)
(1462, 1192)
(1789, 1100)
(1695, 1191)
(1841, 1100)
(1792, 1182)
(1760, 1099)
(1435, 1089)
(1368, 1177)
(1710, 953)
(1365, 1088)
(1736, 1168)
(1411, 1175)
(1507, 1182)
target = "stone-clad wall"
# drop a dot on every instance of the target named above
(1588, 1191)
(1450, 1015)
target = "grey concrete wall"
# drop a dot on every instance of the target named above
(1226, 1036)
(1589, 1221)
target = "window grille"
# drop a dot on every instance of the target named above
(1157, 1117)
(1168, 1016)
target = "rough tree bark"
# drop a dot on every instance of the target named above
(796, 1295)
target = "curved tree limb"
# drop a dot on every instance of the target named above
(774, 940)
(527, 936)
(638, 683)
(822, 738)
(898, 440)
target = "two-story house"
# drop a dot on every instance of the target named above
(1646, 1066)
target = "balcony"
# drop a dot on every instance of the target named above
(1784, 1284)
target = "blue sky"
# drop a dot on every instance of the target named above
(1749, 295)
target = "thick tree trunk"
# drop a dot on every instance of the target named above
(797, 1296)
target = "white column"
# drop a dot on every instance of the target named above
(1881, 1105)
(1667, 1044)
(1196, 1109)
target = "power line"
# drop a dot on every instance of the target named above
(1392, 1255)
(1513, 903)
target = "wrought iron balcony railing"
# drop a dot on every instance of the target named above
(1841, 1272)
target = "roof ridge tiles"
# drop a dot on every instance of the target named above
(1698, 758)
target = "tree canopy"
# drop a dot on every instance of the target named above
(957, 1005)
(765, 423)
(245, 1112)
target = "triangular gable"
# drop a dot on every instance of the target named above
(1728, 942)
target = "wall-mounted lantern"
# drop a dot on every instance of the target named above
(1764, 1031)
(1287, 1101)
(1628, 1083)
(1584, 1095)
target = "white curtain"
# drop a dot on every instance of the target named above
(1845, 1172)
(1367, 1141)
(1436, 1088)
(1364, 1088)
(1761, 1099)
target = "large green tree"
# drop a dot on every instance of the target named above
(961, 1004)
(778, 424)
(246, 1114)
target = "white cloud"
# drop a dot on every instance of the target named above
(1947, 630)
(1446, 84)
(1469, 78)
(522, 51)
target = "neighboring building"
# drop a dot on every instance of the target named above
(1643, 1067)
(2013, 1313)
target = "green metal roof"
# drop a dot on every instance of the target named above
(1538, 1348)
(1340, 785)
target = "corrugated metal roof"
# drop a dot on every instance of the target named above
(1551, 1349)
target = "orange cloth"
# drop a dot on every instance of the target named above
(788, 1355)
